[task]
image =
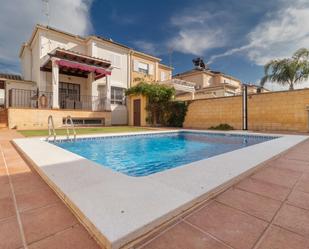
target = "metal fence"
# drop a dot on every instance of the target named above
(81, 102)
(20, 98)
(30, 99)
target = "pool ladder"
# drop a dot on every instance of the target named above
(51, 128)
(69, 118)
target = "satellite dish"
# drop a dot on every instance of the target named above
(199, 63)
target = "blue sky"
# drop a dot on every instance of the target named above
(236, 36)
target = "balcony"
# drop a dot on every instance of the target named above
(34, 99)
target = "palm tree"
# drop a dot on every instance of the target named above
(288, 71)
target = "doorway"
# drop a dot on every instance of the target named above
(137, 112)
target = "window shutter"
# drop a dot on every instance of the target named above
(163, 76)
(151, 69)
(135, 65)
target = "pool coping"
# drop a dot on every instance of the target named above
(117, 208)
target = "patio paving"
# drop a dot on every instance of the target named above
(31, 215)
(268, 210)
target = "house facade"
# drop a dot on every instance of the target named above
(209, 84)
(84, 77)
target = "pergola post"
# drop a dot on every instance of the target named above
(108, 93)
(55, 84)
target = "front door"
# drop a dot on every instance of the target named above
(137, 112)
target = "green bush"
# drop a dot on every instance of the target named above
(176, 114)
(222, 127)
(161, 109)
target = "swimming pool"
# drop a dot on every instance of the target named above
(142, 155)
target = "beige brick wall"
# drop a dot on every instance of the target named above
(24, 119)
(211, 112)
(273, 111)
(279, 111)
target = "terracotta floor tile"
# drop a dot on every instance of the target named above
(294, 219)
(303, 183)
(9, 234)
(235, 228)
(36, 199)
(256, 205)
(283, 177)
(7, 208)
(299, 199)
(297, 154)
(72, 238)
(266, 189)
(30, 185)
(15, 161)
(278, 238)
(18, 170)
(4, 179)
(26, 177)
(5, 190)
(291, 165)
(184, 236)
(43, 222)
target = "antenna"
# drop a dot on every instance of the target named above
(46, 10)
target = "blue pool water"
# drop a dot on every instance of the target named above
(142, 155)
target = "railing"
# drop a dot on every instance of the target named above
(81, 102)
(19, 98)
(30, 99)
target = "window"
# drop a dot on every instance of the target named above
(69, 90)
(163, 76)
(117, 95)
(115, 60)
(143, 68)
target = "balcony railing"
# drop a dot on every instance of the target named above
(33, 99)
(20, 98)
(81, 102)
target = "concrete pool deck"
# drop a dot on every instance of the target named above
(284, 181)
(119, 208)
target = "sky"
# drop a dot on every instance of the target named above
(236, 37)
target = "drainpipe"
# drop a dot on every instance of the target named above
(307, 109)
(245, 107)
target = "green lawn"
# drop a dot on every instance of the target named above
(32, 133)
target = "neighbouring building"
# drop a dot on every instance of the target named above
(84, 77)
(253, 88)
(209, 84)
(148, 68)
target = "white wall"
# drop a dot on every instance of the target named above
(119, 59)
(119, 78)
(17, 85)
(46, 41)
(26, 62)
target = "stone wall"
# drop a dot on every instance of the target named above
(205, 113)
(27, 119)
(273, 111)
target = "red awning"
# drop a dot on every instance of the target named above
(99, 72)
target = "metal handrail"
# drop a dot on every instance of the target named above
(51, 128)
(69, 118)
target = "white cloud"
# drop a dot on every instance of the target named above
(146, 46)
(197, 41)
(18, 18)
(198, 31)
(281, 33)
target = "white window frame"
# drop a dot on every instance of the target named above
(114, 99)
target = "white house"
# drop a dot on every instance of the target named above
(68, 67)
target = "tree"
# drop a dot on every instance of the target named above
(288, 71)
(158, 96)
